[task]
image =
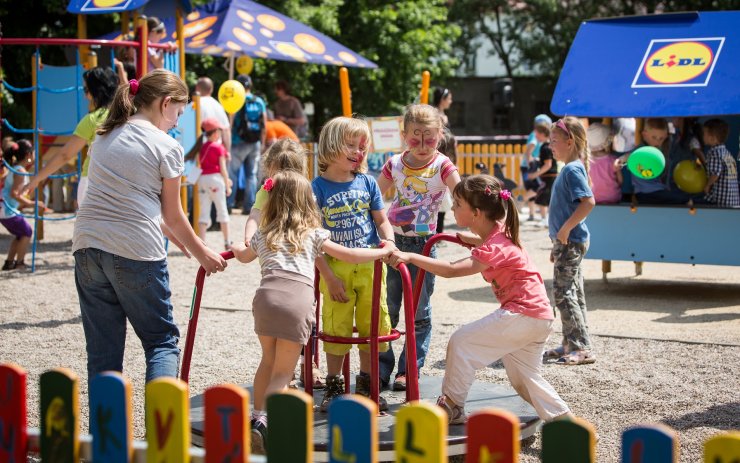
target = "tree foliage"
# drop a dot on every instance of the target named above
(403, 37)
(533, 37)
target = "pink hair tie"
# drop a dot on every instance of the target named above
(269, 184)
(487, 191)
(134, 86)
(505, 195)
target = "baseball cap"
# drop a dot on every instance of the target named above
(211, 124)
(245, 80)
(542, 119)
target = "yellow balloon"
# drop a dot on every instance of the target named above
(231, 95)
(244, 64)
(690, 177)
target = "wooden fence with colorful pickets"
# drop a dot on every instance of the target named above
(420, 428)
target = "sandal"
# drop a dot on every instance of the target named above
(318, 381)
(577, 357)
(555, 353)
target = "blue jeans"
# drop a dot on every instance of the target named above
(423, 320)
(247, 155)
(112, 289)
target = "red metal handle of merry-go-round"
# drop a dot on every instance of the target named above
(187, 355)
(412, 390)
(425, 252)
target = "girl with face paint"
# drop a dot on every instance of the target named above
(422, 175)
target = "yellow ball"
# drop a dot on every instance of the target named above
(231, 95)
(244, 65)
(690, 177)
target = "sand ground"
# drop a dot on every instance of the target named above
(666, 341)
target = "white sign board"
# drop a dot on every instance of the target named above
(386, 133)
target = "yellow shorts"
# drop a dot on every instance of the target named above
(339, 318)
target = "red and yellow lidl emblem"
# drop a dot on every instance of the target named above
(679, 62)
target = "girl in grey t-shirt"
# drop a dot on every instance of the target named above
(133, 195)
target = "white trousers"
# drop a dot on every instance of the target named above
(519, 341)
(212, 190)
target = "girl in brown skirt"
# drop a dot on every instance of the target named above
(289, 239)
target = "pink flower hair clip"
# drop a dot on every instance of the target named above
(269, 184)
(505, 195)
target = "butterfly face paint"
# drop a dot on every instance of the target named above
(421, 140)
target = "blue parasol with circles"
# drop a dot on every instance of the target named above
(244, 27)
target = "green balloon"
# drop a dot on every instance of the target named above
(646, 162)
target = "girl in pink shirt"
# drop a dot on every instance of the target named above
(515, 333)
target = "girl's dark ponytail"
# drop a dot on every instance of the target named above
(487, 193)
(512, 220)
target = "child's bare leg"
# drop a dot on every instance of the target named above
(286, 356)
(18, 248)
(13, 249)
(264, 371)
(225, 231)
(202, 227)
(365, 364)
(21, 247)
(334, 364)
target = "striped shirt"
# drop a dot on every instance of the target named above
(724, 191)
(302, 262)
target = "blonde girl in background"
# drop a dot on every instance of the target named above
(283, 155)
(289, 239)
(571, 202)
(422, 177)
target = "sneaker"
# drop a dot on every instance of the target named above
(530, 218)
(259, 437)
(227, 245)
(455, 413)
(543, 223)
(9, 265)
(399, 384)
(334, 388)
(362, 387)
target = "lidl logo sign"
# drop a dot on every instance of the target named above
(678, 62)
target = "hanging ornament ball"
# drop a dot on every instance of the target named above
(244, 64)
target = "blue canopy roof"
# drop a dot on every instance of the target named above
(118, 6)
(244, 27)
(680, 64)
